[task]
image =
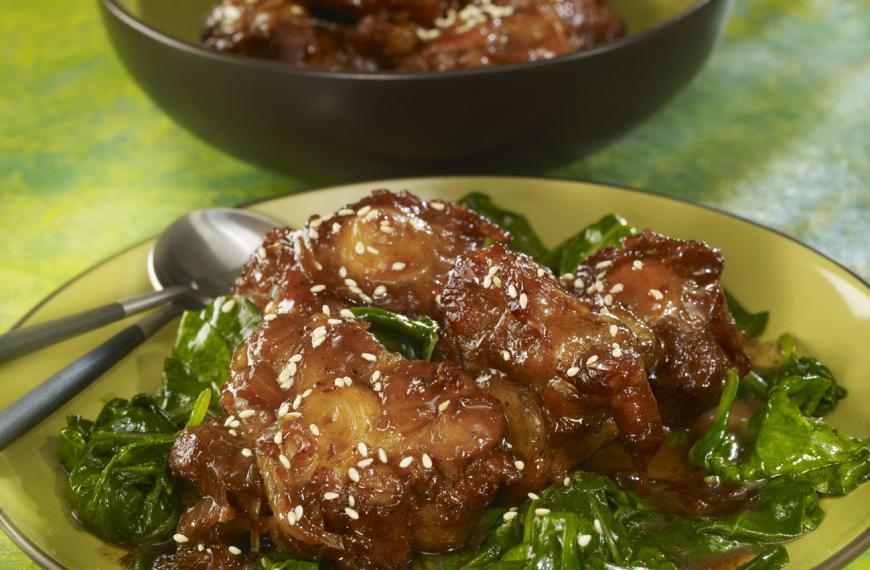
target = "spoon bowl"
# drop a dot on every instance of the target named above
(205, 250)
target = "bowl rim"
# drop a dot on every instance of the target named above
(835, 561)
(126, 18)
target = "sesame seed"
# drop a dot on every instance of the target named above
(566, 277)
(533, 496)
(427, 461)
(283, 409)
(380, 291)
(228, 306)
(541, 271)
(318, 288)
(613, 330)
(506, 355)
(566, 481)
(317, 341)
(608, 299)
(603, 264)
(284, 461)
(590, 289)
(382, 455)
(496, 280)
(314, 430)
(270, 306)
(399, 265)
(261, 252)
(487, 282)
(229, 421)
(235, 424)
(524, 300)
(180, 538)
(345, 212)
(443, 405)
(342, 271)
(315, 222)
(363, 463)
(573, 371)
(656, 294)
(578, 283)
(278, 438)
(512, 291)
(583, 540)
(519, 464)
(376, 375)
(330, 496)
(637, 265)
(599, 286)
(296, 358)
(617, 351)
(232, 432)
(339, 382)
(618, 288)
(312, 233)
(291, 518)
(246, 452)
(363, 211)
(437, 205)
(351, 513)
(351, 500)
(346, 314)
(298, 512)
(353, 474)
(597, 524)
(377, 387)
(592, 360)
(200, 547)
(360, 248)
(307, 393)
(542, 512)
(297, 401)
(270, 317)
(294, 415)
(406, 461)
(335, 227)
(509, 516)
(234, 551)
(246, 413)
(334, 321)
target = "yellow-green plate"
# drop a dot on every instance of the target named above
(822, 304)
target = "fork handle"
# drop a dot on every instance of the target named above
(22, 341)
(33, 407)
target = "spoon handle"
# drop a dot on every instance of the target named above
(33, 407)
(20, 342)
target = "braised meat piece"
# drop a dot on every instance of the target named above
(411, 35)
(672, 286)
(390, 250)
(563, 365)
(364, 456)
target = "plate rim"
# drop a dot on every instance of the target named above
(836, 561)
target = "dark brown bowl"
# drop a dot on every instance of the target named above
(322, 124)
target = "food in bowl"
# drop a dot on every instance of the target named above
(417, 383)
(408, 35)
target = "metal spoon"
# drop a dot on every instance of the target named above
(194, 259)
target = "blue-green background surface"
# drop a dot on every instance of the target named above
(776, 128)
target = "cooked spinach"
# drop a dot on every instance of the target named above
(606, 232)
(828, 392)
(523, 237)
(202, 352)
(591, 523)
(413, 339)
(119, 482)
(752, 324)
(276, 560)
(781, 439)
(772, 558)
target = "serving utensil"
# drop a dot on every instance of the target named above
(194, 259)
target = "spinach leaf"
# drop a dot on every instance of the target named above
(119, 482)
(812, 371)
(781, 440)
(524, 238)
(203, 349)
(772, 558)
(591, 523)
(606, 232)
(276, 560)
(413, 339)
(752, 324)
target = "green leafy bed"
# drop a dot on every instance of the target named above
(121, 489)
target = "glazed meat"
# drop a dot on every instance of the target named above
(388, 250)
(672, 286)
(360, 456)
(565, 373)
(371, 35)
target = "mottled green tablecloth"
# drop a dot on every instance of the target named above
(776, 128)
